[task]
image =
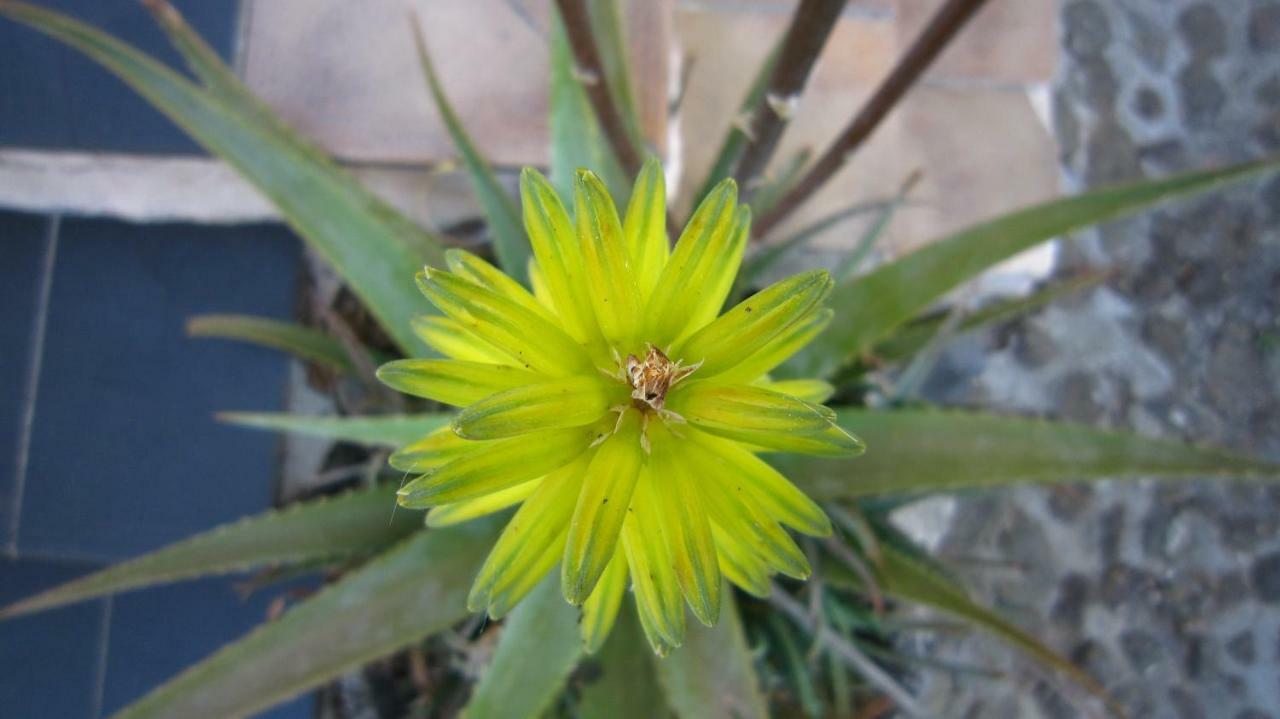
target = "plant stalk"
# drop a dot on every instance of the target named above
(935, 37)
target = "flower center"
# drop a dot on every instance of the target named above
(652, 377)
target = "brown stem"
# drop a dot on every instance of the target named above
(942, 28)
(810, 27)
(590, 71)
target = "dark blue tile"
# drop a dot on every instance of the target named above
(52, 97)
(49, 660)
(198, 618)
(23, 243)
(125, 454)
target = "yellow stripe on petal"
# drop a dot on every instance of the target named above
(645, 226)
(534, 342)
(601, 608)
(494, 466)
(450, 514)
(706, 240)
(435, 450)
(741, 408)
(809, 390)
(522, 579)
(570, 402)
(469, 266)
(538, 526)
(555, 245)
(453, 381)
(748, 327)
(685, 525)
(607, 265)
(653, 576)
(716, 278)
(766, 486)
(749, 525)
(539, 284)
(779, 349)
(740, 566)
(602, 506)
(450, 339)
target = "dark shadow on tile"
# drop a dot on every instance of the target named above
(23, 243)
(125, 453)
(49, 660)
(157, 633)
(52, 97)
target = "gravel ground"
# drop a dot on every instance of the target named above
(1167, 593)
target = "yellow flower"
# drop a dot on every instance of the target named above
(621, 410)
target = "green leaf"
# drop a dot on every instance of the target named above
(414, 590)
(611, 41)
(711, 674)
(538, 648)
(768, 255)
(913, 451)
(852, 261)
(349, 525)
(908, 579)
(372, 246)
(302, 342)
(869, 307)
(576, 138)
(499, 209)
(392, 430)
(626, 685)
(773, 187)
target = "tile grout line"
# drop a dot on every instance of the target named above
(35, 360)
(100, 679)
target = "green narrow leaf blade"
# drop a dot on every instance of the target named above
(371, 245)
(499, 209)
(414, 590)
(868, 307)
(349, 525)
(914, 451)
(391, 430)
(538, 648)
(611, 40)
(302, 342)
(626, 685)
(711, 674)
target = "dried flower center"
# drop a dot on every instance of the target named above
(652, 377)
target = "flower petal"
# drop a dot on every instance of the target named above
(569, 402)
(645, 226)
(601, 608)
(779, 349)
(605, 260)
(435, 450)
(453, 382)
(706, 240)
(555, 245)
(766, 487)
(538, 526)
(748, 327)
(522, 578)
(469, 266)
(494, 466)
(834, 441)
(538, 282)
(447, 515)
(809, 390)
(740, 565)
(685, 526)
(716, 279)
(602, 506)
(534, 342)
(742, 408)
(653, 577)
(450, 339)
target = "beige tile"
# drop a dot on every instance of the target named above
(345, 73)
(1008, 40)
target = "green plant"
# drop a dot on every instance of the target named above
(401, 583)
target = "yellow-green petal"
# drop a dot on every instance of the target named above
(645, 226)
(465, 264)
(809, 390)
(834, 441)
(555, 245)
(685, 525)
(538, 526)
(448, 515)
(602, 506)
(450, 339)
(569, 402)
(531, 340)
(453, 381)
(741, 408)
(601, 608)
(653, 577)
(494, 466)
(715, 279)
(539, 284)
(779, 349)
(523, 578)
(735, 511)
(739, 565)
(706, 240)
(748, 327)
(610, 282)
(435, 450)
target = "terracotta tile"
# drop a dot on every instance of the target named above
(1009, 40)
(346, 74)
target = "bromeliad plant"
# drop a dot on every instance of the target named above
(649, 440)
